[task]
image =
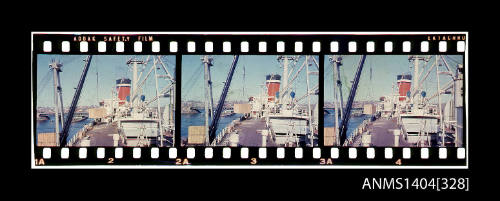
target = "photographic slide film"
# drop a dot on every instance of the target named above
(249, 100)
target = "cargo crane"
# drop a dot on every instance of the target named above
(220, 105)
(352, 94)
(64, 134)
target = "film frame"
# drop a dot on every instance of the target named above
(269, 43)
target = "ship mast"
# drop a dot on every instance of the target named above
(311, 129)
(135, 88)
(458, 94)
(285, 74)
(209, 101)
(160, 119)
(439, 104)
(59, 109)
(416, 74)
(285, 87)
(134, 79)
(336, 62)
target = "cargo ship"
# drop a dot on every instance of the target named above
(135, 123)
(127, 118)
(227, 112)
(273, 117)
(407, 117)
(42, 117)
(80, 116)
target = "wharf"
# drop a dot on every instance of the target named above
(250, 135)
(102, 135)
(382, 135)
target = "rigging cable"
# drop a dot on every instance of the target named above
(371, 82)
(44, 82)
(97, 84)
(450, 58)
(243, 82)
(191, 81)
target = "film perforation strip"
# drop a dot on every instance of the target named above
(259, 152)
(316, 47)
(320, 45)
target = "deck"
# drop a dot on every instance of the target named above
(102, 135)
(249, 135)
(382, 135)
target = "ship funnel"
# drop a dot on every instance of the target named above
(273, 86)
(404, 85)
(123, 89)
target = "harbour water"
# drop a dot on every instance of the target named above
(198, 119)
(48, 126)
(354, 122)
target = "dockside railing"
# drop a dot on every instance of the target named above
(80, 134)
(221, 136)
(356, 133)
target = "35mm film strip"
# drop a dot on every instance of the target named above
(250, 100)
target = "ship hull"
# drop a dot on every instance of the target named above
(227, 114)
(78, 119)
(42, 118)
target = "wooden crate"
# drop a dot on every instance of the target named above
(97, 113)
(242, 108)
(329, 136)
(46, 139)
(369, 109)
(196, 135)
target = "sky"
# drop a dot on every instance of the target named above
(385, 68)
(107, 67)
(111, 67)
(256, 67)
